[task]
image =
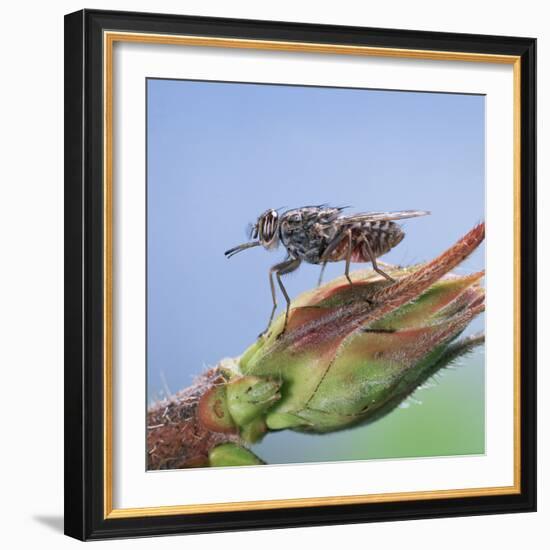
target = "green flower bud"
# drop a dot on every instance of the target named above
(349, 350)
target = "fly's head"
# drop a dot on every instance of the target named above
(266, 229)
(265, 232)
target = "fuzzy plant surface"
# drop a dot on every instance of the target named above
(350, 352)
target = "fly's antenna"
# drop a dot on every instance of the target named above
(235, 250)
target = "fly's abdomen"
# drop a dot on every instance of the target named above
(382, 236)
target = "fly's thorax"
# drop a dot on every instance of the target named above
(303, 232)
(295, 240)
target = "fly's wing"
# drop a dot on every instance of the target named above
(365, 217)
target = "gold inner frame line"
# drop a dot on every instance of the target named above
(109, 39)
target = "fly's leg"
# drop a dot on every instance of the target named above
(373, 261)
(321, 274)
(325, 257)
(333, 245)
(273, 297)
(348, 255)
(280, 269)
(292, 265)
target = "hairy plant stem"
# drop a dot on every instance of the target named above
(175, 437)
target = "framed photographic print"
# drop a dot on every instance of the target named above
(300, 274)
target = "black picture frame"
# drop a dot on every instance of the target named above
(85, 517)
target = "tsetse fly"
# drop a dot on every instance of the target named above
(322, 234)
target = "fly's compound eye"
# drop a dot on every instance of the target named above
(268, 225)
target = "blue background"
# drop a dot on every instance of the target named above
(219, 154)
